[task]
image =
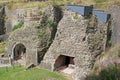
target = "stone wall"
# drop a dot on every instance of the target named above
(3, 37)
(36, 35)
(2, 22)
(83, 39)
(16, 16)
(114, 10)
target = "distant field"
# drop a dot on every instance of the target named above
(99, 4)
(18, 73)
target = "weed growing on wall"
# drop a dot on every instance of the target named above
(50, 23)
(19, 25)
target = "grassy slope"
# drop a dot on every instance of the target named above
(107, 67)
(18, 73)
(110, 57)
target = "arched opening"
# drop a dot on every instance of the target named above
(19, 52)
(63, 62)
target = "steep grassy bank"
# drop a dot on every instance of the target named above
(107, 66)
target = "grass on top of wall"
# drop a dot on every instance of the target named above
(100, 1)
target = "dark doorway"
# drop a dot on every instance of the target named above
(19, 52)
(63, 62)
(67, 61)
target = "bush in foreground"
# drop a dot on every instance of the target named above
(110, 73)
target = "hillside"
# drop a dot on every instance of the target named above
(99, 4)
(107, 66)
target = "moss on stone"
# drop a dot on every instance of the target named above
(2, 47)
(75, 16)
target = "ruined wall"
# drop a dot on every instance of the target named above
(36, 35)
(114, 10)
(83, 39)
(27, 37)
(2, 22)
(15, 16)
(3, 37)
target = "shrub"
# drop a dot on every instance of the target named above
(75, 17)
(19, 25)
(50, 23)
(40, 13)
(110, 73)
(41, 33)
(110, 43)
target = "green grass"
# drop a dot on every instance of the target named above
(18, 73)
(100, 1)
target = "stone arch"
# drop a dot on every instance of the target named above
(19, 52)
(63, 62)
